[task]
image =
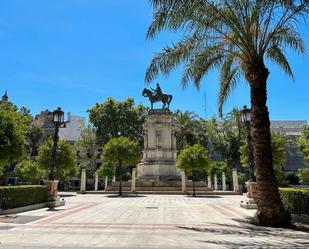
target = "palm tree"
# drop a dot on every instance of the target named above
(186, 122)
(237, 37)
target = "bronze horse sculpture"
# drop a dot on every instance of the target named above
(164, 98)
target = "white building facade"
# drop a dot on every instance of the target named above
(73, 129)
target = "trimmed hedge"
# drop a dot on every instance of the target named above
(19, 196)
(296, 200)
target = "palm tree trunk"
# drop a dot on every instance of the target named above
(270, 208)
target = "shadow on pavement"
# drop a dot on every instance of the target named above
(52, 209)
(252, 236)
(67, 195)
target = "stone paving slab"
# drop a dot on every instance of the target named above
(100, 221)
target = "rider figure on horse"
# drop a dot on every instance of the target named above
(156, 95)
(157, 92)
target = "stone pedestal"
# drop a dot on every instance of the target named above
(223, 182)
(53, 199)
(159, 155)
(209, 181)
(251, 195)
(133, 180)
(105, 183)
(235, 180)
(83, 181)
(215, 182)
(183, 181)
(96, 182)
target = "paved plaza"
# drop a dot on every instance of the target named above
(101, 221)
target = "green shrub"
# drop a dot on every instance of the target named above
(19, 196)
(303, 175)
(296, 200)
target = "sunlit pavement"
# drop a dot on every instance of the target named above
(153, 221)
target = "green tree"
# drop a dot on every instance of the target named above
(88, 148)
(193, 159)
(237, 37)
(303, 175)
(303, 142)
(107, 169)
(28, 171)
(13, 128)
(185, 129)
(225, 139)
(66, 164)
(33, 138)
(112, 118)
(120, 153)
(278, 145)
(218, 167)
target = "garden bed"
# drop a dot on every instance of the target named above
(20, 196)
(296, 200)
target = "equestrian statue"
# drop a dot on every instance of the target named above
(156, 95)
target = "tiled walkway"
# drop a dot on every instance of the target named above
(99, 221)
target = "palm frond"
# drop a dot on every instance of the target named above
(275, 54)
(289, 37)
(172, 15)
(228, 80)
(171, 56)
(200, 65)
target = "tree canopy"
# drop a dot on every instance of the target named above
(225, 137)
(88, 149)
(66, 163)
(278, 146)
(119, 153)
(303, 142)
(13, 129)
(29, 170)
(193, 158)
(112, 118)
(122, 150)
(33, 138)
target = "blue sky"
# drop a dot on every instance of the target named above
(74, 53)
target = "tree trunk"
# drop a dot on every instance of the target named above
(270, 208)
(193, 182)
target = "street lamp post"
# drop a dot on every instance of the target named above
(58, 121)
(246, 119)
(52, 183)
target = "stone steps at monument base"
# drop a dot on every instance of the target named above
(115, 188)
(160, 184)
(164, 192)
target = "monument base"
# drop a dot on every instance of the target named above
(158, 171)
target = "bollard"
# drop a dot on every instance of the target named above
(183, 181)
(223, 182)
(83, 181)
